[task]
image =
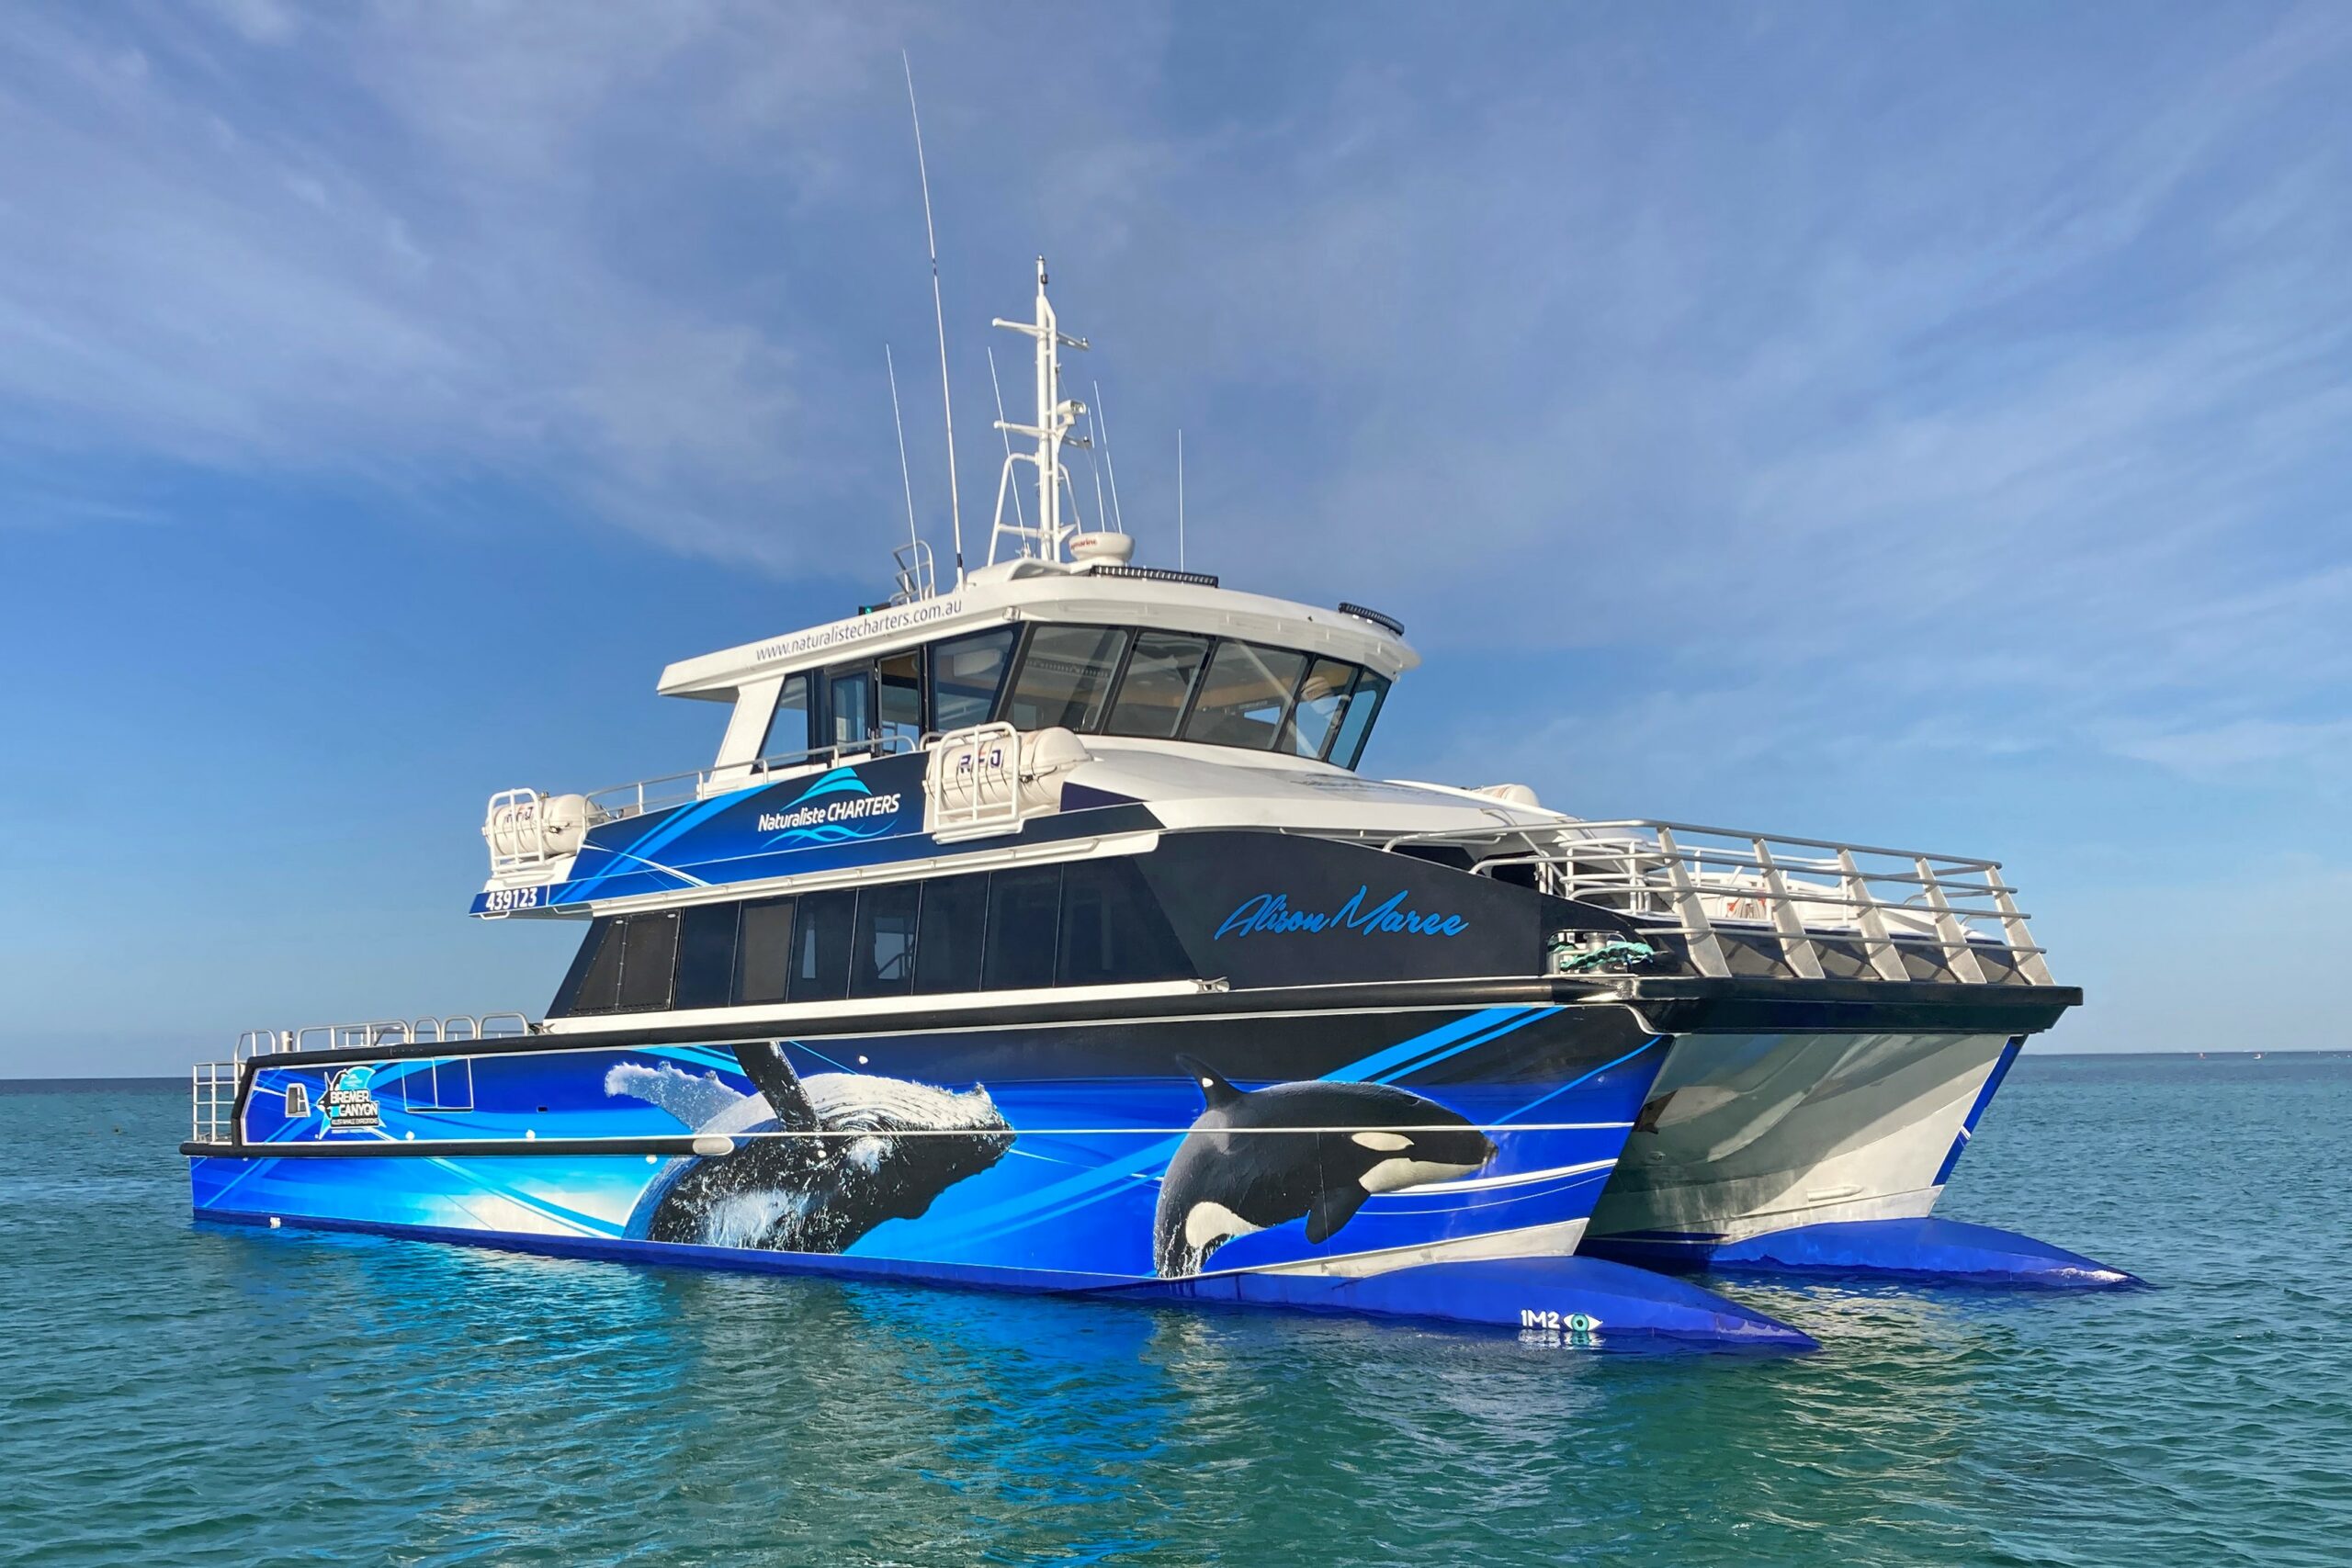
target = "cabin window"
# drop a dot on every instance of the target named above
(1245, 697)
(446, 1084)
(791, 728)
(764, 952)
(298, 1099)
(599, 982)
(1315, 716)
(820, 943)
(648, 960)
(1065, 677)
(948, 941)
(1159, 683)
(1113, 930)
(1025, 907)
(705, 954)
(1356, 722)
(965, 673)
(883, 963)
(900, 696)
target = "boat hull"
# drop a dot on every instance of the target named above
(1817, 1153)
(1087, 1157)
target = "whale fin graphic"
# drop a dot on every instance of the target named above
(1333, 1208)
(1213, 1088)
(764, 1063)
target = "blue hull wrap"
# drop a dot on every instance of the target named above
(1923, 1248)
(1398, 1164)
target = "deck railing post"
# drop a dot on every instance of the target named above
(1795, 946)
(1706, 951)
(1876, 942)
(1954, 936)
(2013, 928)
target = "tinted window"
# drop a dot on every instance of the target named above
(1159, 683)
(900, 695)
(947, 941)
(965, 675)
(850, 702)
(764, 953)
(820, 938)
(884, 962)
(1112, 930)
(1245, 696)
(1315, 713)
(705, 954)
(1024, 909)
(1064, 676)
(789, 730)
(649, 960)
(600, 981)
(1355, 723)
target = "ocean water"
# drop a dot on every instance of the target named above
(177, 1394)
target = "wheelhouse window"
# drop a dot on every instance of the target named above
(1355, 723)
(899, 698)
(1245, 697)
(1066, 677)
(1161, 672)
(792, 728)
(966, 674)
(849, 705)
(1315, 716)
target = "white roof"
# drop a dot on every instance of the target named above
(1030, 589)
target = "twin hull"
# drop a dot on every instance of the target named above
(1105, 1155)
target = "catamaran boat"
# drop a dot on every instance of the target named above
(1040, 932)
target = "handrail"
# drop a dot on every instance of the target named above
(876, 745)
(457, 1029)
(1955, 906)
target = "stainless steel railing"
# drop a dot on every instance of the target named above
(1791, 896)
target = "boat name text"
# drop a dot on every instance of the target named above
(1272, 913)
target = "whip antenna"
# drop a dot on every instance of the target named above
(906, 479)
(1119, 518)
(1180, 499)
(939, 319)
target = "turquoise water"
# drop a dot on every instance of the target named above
(185, 1394)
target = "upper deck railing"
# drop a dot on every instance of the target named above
(1791, 897)
(524, 834)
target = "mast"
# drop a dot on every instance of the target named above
(1052, 432)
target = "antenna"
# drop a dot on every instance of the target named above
(1119, 519)
(939, 319)
(905, 477)
(1102, 514)
(1017, 516)
(1180, 497)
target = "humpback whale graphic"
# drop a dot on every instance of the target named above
(873, 1149)
(1230, 1177)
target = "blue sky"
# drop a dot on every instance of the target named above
(1921, 426)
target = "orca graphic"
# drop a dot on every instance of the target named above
(873, 1149)
(1230, 1177)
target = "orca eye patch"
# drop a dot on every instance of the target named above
(1386, 1143)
